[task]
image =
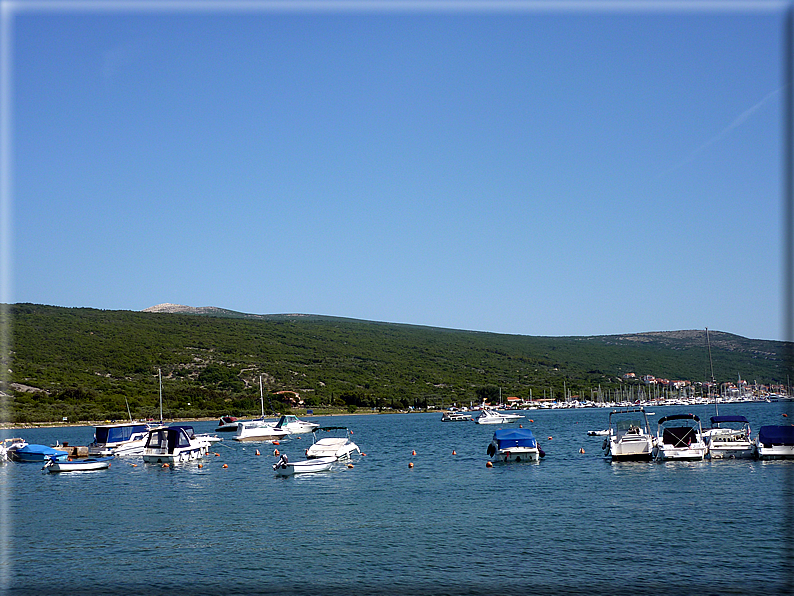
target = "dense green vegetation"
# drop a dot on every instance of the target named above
(88, 364)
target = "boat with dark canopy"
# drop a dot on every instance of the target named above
(775, 442)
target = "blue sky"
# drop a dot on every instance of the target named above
(583, 170)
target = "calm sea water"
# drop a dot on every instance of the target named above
(571, 524)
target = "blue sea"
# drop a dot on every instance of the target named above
(574, 523)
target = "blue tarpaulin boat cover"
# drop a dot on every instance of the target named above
(519, 437)
(718, 419)
(40, 450)
(776, 435)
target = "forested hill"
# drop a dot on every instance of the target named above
(89, 364)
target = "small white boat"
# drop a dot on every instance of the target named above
(775, 442)
(455, 416)
(78, 465)
(514, 445)
(127, 438)
(294, 425)
(338, 447)
(681, 442)
(729, 442)
(319, 464)
(489, 416)
(172, 444)
(258, 430)
(629, 436)
(208, 437)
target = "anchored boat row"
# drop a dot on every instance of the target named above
(681, 437)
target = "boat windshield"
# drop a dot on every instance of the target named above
(115, 434)
(627, 425)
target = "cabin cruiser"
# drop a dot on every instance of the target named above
(455, 416)
(681, 441)
(119, 439)
(775, 442)
(226, 424)
(629, 436)
(258, 430)
(729, 442)
(294, 425)
(172, 444)
(490, 416)
(339, 447)
(517, 445)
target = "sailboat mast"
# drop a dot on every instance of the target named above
(713, 380)
(160, 376)
(261, 397)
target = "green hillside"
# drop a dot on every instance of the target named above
(88, 364)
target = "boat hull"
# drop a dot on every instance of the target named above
(517, 455)
(79, 465)
(151, 456)
(776, 452)
(305, 467)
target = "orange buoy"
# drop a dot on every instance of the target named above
(217, 455)
(410, 464)
(257, 452)
(549, 438)
(784, 416)
(201, 465)
(225, 465)
(531, 420)
(276, 443)
(349, 465)
(109, 465)
(166, 466)
(363, 455)
(453, 452)
(413, 452)
(275, 452)
(520, 426)
(581, 450)
(488, 464)
(134, 465)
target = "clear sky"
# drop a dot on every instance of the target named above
(584, 169)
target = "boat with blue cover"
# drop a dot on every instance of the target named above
(517, 445)
(775, 442)
(37, 453)
(729, 438)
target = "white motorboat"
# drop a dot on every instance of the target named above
(9, 446)
(775, 442)
(629, 436)
(514, 445)
(173, 444)
(338, 447)
(210, 438)
(724, 441)
(78, 465)
(681, 442)
(319, 464)
(259, 430)
(490, 416)
(455, 416)
(128, 438)
(294, 425)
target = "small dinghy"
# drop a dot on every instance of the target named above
(318, 464)
(99, 463)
